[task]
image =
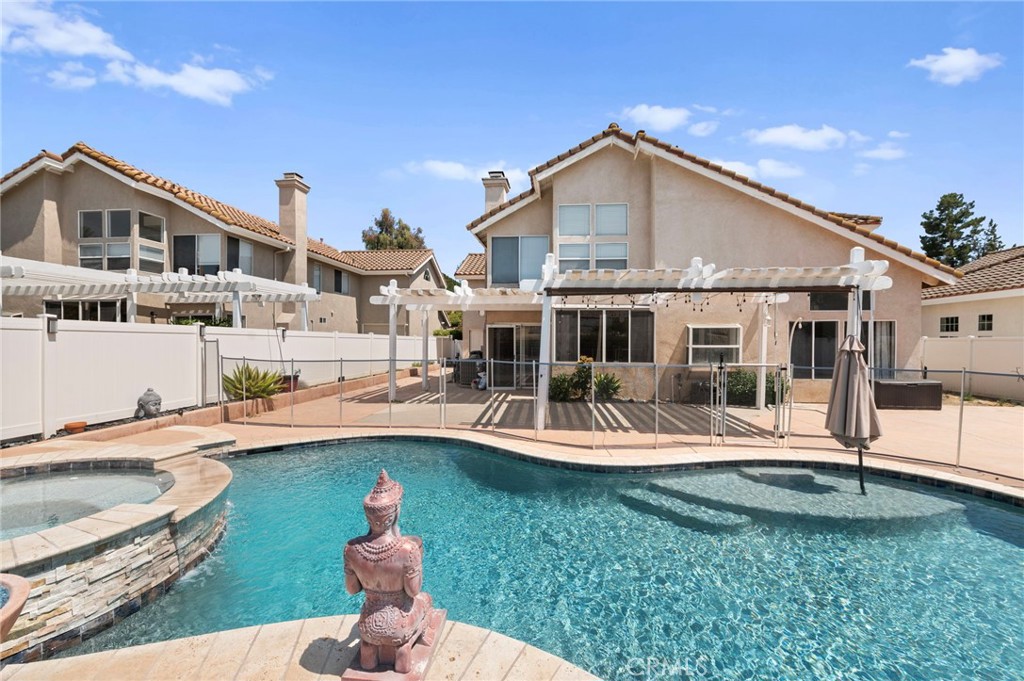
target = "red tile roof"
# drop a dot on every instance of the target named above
(858, 219)
(613, 130)
(367, 261)
(999, 271)
(473, 265)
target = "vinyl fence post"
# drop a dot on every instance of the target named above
(441, 385)
(341, 391)
(490, 384)
(245, 409)
(657, 405)
(960, 425)
(535, 434)
(292, 384)
(593, 410)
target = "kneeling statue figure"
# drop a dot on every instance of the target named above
(398, 623)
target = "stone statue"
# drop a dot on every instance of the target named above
(397, 624)
(149, 405)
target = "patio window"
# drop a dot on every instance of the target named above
(151, 227)
(88, 310)
(711, 344)
(90, 224)
(815, 344)
(611, 219)
(119, 223)
(574, 220)
(151, 259)
(239, 255)
(883, 361)
(614, 335)
(985, 322)
(341, 282)
(949, 325)
(197, 253)
(514, 258)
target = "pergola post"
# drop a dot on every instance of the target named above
(304, 315)
(392, 350)
(236, 309)
(132, 306)
(425, 333)
(762, 353)
(544, 373)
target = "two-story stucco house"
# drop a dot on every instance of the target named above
(625, 201)
(88, 209)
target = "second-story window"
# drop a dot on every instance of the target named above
(611, 256)
(151, 227)
(240, 255)
(574, 220)
(611, 219)
(317, 277)
(119, 223)
(514, 258)
(341, 283)
(197, 253)
(90, 224)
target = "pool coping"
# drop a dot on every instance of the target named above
(659, 461)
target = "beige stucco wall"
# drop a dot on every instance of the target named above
(1007, 316)
(676, 214)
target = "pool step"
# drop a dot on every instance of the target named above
(682, 513)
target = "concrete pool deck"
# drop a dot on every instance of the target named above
(300, 650)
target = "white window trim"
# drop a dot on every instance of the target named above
(991, 320)
(103, 227)
(615, 203)
(690, 345)
(604, 332)
(163, 227)
(519, 254)
(102, 257)
(221, 249)
(593, 261)
(956, 330)
(106, 223)
(590, 221)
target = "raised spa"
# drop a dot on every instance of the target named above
(35, 502)
(732, 573)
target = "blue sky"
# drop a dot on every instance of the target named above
(873, 108)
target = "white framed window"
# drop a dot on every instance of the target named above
(119, 223)
(883, 361)
(514, 258)
(949, 324)
(151, 259)
(573, 257)
(90, 256)
(197, 253)
(609, 335)
(611, 256)
(90, 224)
(815, 344)
(712, 343)
(985, 322)
(119, 256)
(341, 282)
(151, 227)
(611, 219)
(574, 219)
(239, 255)
(317, 277)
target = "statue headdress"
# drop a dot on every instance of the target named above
(386, 495)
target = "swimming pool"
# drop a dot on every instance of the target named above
(730, 573)
(35, 502)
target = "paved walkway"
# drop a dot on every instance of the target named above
(301, 650)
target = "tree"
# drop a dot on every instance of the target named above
(389, 232)
(954, 235)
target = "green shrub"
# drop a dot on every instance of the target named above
(257, 382)
(561, 388)
(742, 387)
(606, 386)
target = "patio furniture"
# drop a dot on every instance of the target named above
(894, 394)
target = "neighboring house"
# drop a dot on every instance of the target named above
(987, 302)
(88, 209)
(629, 201)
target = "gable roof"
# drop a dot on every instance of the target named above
(473, 265)
(848, 221)
(999, 271)
(365, 261)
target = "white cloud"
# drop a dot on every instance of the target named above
(738, 166)
(861, 169)
(797, 137)
(454, 170)
(656, 118)
(955, 65)
(705, 109)
(897, 135)
(886, 151)
(72, 75)
(857, 137)
(768, 167)
(41, 28)
(703, 129)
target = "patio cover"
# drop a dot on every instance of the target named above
(855, 276)
(22, 277)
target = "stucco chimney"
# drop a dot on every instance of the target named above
(291, 208)
(496, 188)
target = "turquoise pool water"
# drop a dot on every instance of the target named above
(752, 573)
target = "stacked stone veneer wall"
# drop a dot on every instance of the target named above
(79, 593)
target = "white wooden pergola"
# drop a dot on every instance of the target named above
(21, 277)
(653, 286)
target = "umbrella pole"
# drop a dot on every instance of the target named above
(860, 468)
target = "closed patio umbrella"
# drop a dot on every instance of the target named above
(851, 417)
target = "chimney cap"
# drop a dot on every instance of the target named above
(496, 178)
(292, 176)
(292, 180)
(495, 174)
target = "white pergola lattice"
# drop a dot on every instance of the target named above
(21, 277)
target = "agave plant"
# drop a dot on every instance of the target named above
(257, 382)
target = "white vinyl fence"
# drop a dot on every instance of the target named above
(988, 355)
(96, 371)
